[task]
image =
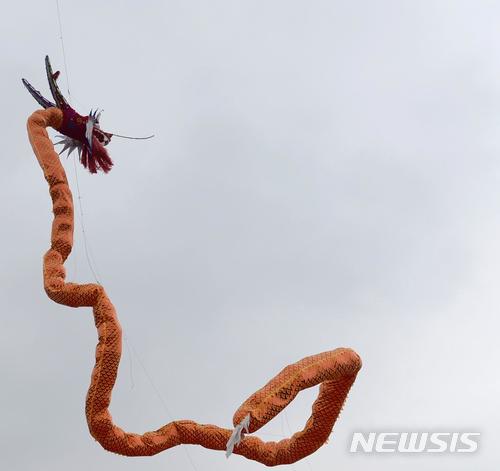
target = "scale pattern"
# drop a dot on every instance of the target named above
(335, 371)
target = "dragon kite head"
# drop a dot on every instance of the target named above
(78, 132)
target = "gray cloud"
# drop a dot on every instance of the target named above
(324, 174)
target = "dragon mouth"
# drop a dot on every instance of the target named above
(103, 137)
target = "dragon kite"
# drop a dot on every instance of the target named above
(334, 371)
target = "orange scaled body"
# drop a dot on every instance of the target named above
(335, 371)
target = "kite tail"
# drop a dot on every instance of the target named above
(335, 371)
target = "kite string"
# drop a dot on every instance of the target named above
(128, 342)
(62, 46)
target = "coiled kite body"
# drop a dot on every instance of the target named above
(335, 371)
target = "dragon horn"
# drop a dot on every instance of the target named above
(37, 95)
(54, 89)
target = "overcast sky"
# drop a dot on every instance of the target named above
(324, 174)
